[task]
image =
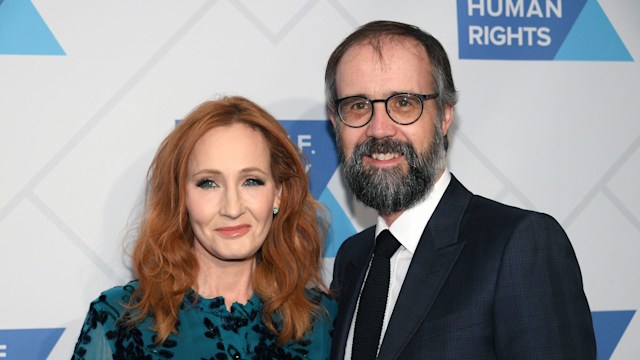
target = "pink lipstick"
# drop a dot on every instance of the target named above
(234, 231)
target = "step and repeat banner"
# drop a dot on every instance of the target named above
(548, 119)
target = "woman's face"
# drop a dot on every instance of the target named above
(230, 193)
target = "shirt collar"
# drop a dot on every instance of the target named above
(410, 225)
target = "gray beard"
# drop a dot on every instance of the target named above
(391, 190)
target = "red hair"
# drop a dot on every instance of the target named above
(290, 258)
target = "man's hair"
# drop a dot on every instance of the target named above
(375, 34)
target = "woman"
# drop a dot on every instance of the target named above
(229, 252)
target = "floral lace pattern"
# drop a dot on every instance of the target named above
(206, 330)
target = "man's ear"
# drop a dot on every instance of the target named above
(447, 118)
(332, 117)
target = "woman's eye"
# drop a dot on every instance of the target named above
(253, 182)
(206, 184)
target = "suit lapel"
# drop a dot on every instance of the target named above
(435, 255)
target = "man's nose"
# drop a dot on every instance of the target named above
(381, 125)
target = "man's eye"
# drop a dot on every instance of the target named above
(206, 184)
(405, 102)
(360, 105)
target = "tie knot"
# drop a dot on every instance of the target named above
(386, 245)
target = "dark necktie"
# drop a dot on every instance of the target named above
(373, 299)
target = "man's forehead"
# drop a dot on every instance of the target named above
(386, 66)
(383, 49)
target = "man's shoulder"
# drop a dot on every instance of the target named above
(483, 204)
(358, 243)
(487, 213)
(479, 207)
(481, 212)
(361, 239)
(367, 233)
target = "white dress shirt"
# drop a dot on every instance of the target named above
(408, 229)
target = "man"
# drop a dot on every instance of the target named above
(472, 278)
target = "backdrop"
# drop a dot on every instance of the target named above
(547, 120)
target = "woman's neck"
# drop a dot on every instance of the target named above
(230, 279)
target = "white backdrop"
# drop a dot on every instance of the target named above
(82, 116)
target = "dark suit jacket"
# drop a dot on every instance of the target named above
(487, 281)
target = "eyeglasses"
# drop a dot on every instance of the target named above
(403, 109)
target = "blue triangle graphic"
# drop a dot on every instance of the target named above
(593, 38)
(315, 139)
(341, 227)
(609, 326)
(29, 344)
(24, 32)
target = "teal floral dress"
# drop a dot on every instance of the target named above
(206, 330)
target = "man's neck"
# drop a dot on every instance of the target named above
(390, 218)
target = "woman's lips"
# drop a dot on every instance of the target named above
(234, 231)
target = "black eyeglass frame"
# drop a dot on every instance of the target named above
(421, 97)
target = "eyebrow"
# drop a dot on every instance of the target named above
(386, 96)
(218, 172)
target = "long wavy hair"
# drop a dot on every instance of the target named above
(289, 260)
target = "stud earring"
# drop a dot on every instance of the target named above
(275, 211)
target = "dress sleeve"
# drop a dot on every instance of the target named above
(320, 336)
(93, 342)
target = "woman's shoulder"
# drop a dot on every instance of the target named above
(102, 326)
(325, 299)
(117, 297)
(318, 340)
(120, 292)
(318, 293)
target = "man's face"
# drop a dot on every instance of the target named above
(389, 166)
